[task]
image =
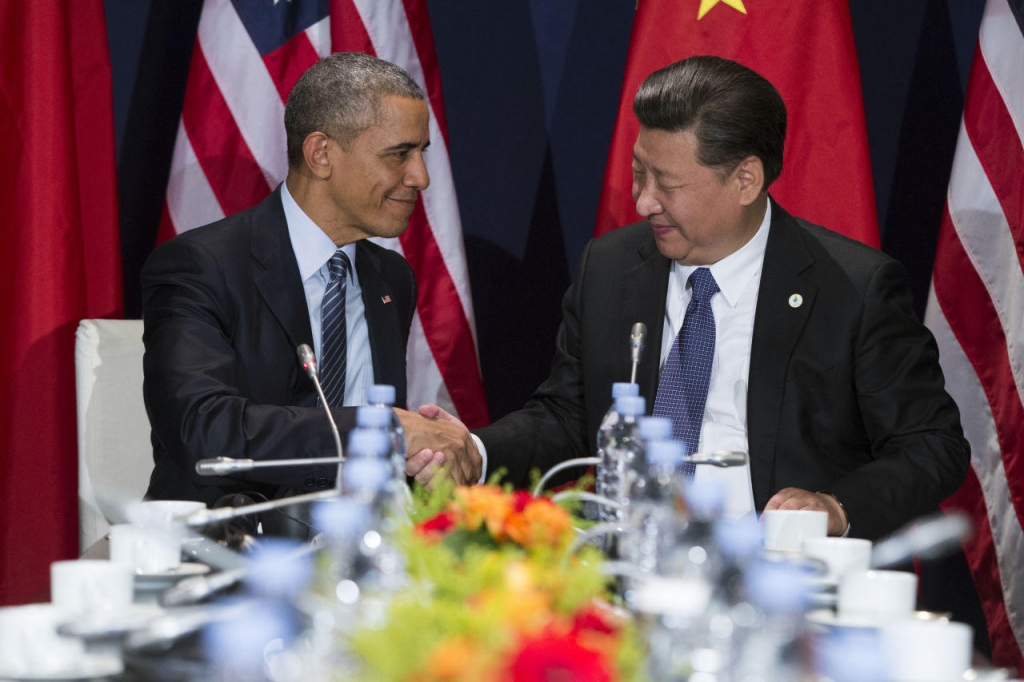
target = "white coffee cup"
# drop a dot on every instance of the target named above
(926, 650)
(30, 645)
(877, 596)
(146, 549)
(88, 586)
(839, 555)
(786, 529)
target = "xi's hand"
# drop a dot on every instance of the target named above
(795, 498)
(424, 466)
(436, 430)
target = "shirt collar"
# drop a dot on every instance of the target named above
(734, 272)
(311, 245)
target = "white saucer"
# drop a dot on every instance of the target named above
(90, 666)
(162, 579)
(112, 624)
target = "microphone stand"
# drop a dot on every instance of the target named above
(308, 361)
(206, 517)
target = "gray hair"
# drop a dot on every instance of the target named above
(340, 96)
(733, 112)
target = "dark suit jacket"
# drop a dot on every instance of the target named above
(224, 311)
(845, 392)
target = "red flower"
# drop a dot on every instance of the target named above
(594, 619)
(438, 525)
(552, 657)
(520, 499)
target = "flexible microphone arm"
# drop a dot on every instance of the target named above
(927, 538)
(219, 466)
(207, 517)
(719, 458)
(637, 341)
(308, 361)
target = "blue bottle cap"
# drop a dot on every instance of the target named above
(381, 393)
(655, 428)
(664, 453)
(620, 389)
(630, 405)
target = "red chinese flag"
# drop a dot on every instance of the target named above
(60, 262)
(806, 50)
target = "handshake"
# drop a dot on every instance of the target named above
(437, 442)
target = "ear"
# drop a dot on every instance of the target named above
(749, 176)
(314, 151)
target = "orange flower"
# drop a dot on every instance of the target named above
(484, 504)
(541, 522)
(451, 660)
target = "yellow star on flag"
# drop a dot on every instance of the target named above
(706, 5)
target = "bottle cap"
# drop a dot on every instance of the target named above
(364, 473)
(381, 393)
(654, 428)
(630, 406)
(706, 499)
(620, 389)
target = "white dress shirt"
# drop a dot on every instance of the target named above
(725, 415)
(313, 249)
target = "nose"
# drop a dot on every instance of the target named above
(646, 205)
(416, 175)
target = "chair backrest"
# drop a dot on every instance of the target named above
(115, 457)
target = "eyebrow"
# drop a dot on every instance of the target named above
(405, 146)
(658, 172)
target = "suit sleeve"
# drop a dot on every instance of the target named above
(196, 384)
(552, 426)
(919, 454)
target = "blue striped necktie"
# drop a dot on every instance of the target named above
(683, 388)
(333, 332)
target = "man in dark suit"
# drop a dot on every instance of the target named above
(226, 305)
(820, 369)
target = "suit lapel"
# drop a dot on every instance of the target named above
(784, 303)
(644, 287)
(386, 342)
(275, 273)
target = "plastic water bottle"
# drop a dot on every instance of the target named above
(620, 449)
(604, 433)
(368, 474)
(654, 487)
(383, 395)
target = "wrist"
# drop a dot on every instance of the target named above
(835, 506)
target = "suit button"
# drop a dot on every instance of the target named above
(322, 483)
(309, 482)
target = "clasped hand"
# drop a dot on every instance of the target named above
(439, 441)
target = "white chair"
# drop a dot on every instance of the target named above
(115, 457)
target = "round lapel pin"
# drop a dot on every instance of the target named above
(796, 300)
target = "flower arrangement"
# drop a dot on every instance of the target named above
(496, 597)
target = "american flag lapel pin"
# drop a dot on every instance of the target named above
(385, 299)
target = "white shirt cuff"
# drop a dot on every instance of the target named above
(483, 457)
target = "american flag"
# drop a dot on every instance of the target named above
(230, 152)
(976, 311)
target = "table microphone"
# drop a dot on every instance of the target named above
(637, 340)
(221, 466)
(308, 361)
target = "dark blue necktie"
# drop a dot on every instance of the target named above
(333, 333)
(683, 389)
